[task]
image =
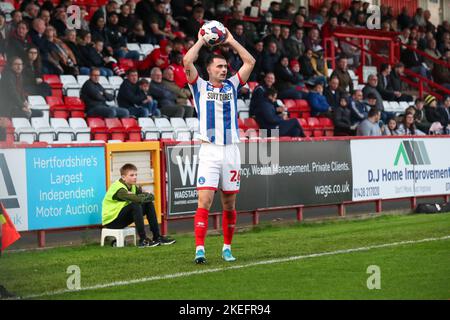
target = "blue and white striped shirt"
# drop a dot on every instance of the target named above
(217, 109)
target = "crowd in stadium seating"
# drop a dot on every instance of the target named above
(36, 40)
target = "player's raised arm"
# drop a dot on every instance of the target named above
(190, 57)
(247, 58)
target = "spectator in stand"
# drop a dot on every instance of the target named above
(117, 40)
(287, 80)
(182, 94)
(407, 126)
(159, 57)
(414, 61)
(429, 26)
(103, 12)
(59, 21)
(70, 40)
(99, 32)
(431, 110)
(19, 42)
(167, 101)
(193, 24)
(313, 41)
(391, 128)
(270, 57)
(432, 51)
(144, 87)
(254, 4)
(60, 56)
(308, 68)
(16, 17)
(404, 20)
(275, 10)
(274, 36)
(317, 101)
(299, 23)
(404, 37)
(420, 118)
(92, 56)
(238, 34)
(46, 16)
(132, 98)
(342, 118)
(370, 126)
(294, 46)
(178, 69)
(341, 72)
(441, 74)
(332, 93)
(353, 53)
(322, 17)
(126, 19)
(358, 108)
(95, 98)
(138, 34)
(445, 114)
(288, 12)
(37, 34)
(32, 75)
(396, 82)
(268, 119)
(385, 88)
(159, 22)
(260, 91)
(257, 53)
(12, 92)
(224, 8)
(371, 89)
(31, 13)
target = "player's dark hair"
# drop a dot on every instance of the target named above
(127, 167)
(214, 56)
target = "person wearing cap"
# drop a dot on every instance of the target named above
(431, 109)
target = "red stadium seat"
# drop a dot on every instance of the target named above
(76, 106)
(133, 129)
(55, 83)
(289, 104)
(241, 124)
(116, 129)
(57, 107)
(327, 125)
(251, 123)
(99, 130)
(305, 126)
(315, 125)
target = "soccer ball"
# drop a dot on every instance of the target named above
(213, 32)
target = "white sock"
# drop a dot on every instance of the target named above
(226, 246)
(199, 248)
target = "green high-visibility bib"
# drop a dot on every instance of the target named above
(110, 207)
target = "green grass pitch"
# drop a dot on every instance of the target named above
(407, 271)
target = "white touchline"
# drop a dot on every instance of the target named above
(272, 261)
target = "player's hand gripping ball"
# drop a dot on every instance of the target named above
(213, 33)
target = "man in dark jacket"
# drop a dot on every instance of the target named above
(132, 98)
(342, 118)
(414, 61)
(95, 97)
(268, 119)
(13, 96)
(332, 92)
(385, 88)
(166, 99)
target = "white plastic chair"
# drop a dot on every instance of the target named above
(64, 133)
(44, 132)
(23, 130)
(119, 235)
(148, 128)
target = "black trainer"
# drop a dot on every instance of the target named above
(165, 240)
(146, 243)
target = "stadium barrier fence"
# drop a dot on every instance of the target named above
(60, 187)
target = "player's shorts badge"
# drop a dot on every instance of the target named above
(201, 180)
